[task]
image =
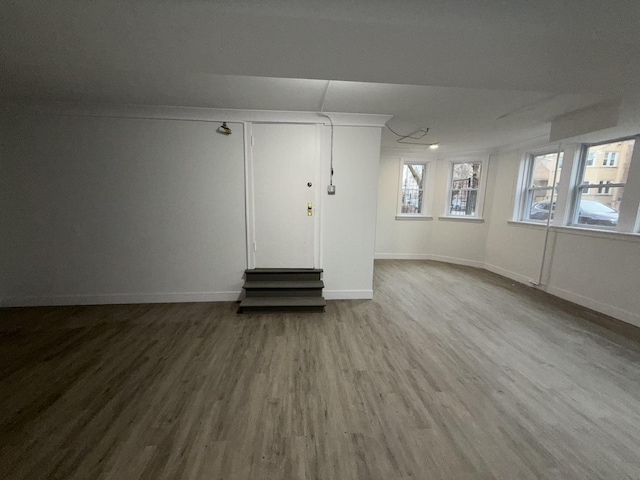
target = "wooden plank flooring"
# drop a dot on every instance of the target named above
(449, 373)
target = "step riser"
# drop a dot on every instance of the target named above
(307, 292)
(281, 277)
(280, 309)
(272, 290)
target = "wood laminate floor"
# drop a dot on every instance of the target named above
(449, 373)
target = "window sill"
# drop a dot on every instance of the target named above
(414, 217)
(523, 223)
(461, 218)
(592, 232)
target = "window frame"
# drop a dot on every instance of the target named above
(484, 165)
(580, 185)
(425, 204)
(528, 190)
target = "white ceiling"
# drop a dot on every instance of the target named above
(477, 73)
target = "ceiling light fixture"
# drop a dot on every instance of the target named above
(433, 146)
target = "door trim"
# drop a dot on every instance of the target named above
(250, 217)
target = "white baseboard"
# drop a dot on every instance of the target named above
(402, 256)
(507, 273)
(610, 310)
(348, 294)
(58, 300)
(458, 261)
(427, 256)
(587, 302)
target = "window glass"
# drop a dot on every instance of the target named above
(600, 189)
(465, 184)
(412, 188)
(541, 193)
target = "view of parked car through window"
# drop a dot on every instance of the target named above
(589, 213)
(540, 187)
(603, 176)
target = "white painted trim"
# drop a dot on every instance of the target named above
(503, 272)
(427, 256)
(610, 310)
(248, 194)
(250, 207)
(317, 202)
(408, 216)
(534, 225)
(402, 256)
(199, 114)
(119, 298)
(630, 206)
(348, 294)
(458, 261)
(427, 190)
(462, 218)
(324, 169)
(591, 232)
(615, 312)
(484, 175)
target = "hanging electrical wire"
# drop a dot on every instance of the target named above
(331, 189)
(410, 136)
(402, 137)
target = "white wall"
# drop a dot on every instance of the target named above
(594, 269)
(398, 238)
(103, 210)
(512, 250)
(453, 240)
(120, 210)
(599, 270)
(349, 216)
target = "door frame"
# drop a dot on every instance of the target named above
(250, 217)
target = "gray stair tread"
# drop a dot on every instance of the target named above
(283, 270)
(283, 302)
(297, 284)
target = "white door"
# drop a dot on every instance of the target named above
(284, 159)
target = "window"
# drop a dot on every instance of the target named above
(465, 184)
(591, 159)
(541, 192)
(412, 181)
(598, 194)
(610, 159)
